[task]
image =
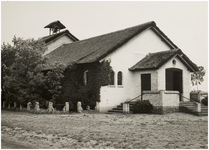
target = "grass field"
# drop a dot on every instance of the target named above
(92, 130)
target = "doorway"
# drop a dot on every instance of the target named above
(174, 80)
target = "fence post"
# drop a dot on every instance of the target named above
(50, 107)
(15, 104)
(88, 107)
(20, 107)
(8, 106)
(66, 107)
(4, 104)
(79, 108)
(28, 105)
(37, 106)
(97, 108)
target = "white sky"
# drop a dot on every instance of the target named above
(185, 23)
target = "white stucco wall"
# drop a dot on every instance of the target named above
(155, 98)
(170, 98)
(57, 43)
(186, 76)
(122, 59)
(162, 98)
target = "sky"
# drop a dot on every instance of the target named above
(184, 22)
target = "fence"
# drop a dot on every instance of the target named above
(51, 108)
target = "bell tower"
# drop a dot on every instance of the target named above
(55, 27)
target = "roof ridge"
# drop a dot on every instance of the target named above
(150, 22)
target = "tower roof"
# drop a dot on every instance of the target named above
(56, 24)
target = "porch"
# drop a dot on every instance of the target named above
(164, 102)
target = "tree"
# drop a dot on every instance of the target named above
(23, 79)
(197, 77)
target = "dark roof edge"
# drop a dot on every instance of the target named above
(181, 56)
(164, 37)
(143, 69)
(188, 63)
(57, 23)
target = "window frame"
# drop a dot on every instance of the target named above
(85, 77)
(120, 79)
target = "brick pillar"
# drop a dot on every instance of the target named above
(197, 107)
(126, 108)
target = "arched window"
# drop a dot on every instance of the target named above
(112, 78)
(85, 77)
(120, 78)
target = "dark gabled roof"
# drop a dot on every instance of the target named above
(156, 60)
(50, 38)
(96, 48)
(56, 24)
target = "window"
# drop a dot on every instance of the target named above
(85, 77)
(120, 78)
(174, 62)
(112, 78)
(145, 82)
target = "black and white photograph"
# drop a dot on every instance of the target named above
(104, 74)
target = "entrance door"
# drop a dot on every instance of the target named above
(145, 82)
(174, 80)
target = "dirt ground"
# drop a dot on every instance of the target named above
(100, 131)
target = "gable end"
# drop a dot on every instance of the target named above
(163, 37)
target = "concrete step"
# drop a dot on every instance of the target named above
(119, 108)
(115, 111)
(202, 114)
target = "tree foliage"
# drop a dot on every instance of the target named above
(75, 90)
(23, 79)
(197, 77)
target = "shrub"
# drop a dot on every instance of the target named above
(142, 107)
(205, 101)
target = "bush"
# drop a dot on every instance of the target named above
(143, 107)
(205, 101)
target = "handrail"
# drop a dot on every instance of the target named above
(133, 99)
(189, 99)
